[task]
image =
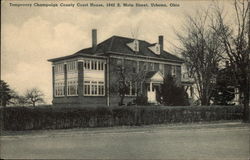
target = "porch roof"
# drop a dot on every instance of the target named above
(154, 77)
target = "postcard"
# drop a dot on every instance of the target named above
(124, 79)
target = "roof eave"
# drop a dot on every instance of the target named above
(74, 56)
(164, 59)
(61, 58)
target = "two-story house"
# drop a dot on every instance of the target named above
(92, 76)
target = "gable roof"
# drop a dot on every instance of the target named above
(150, 74)
(154, 76)
(118, 44)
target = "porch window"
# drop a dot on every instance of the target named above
(100, 65)
(59, 89)
(72, 87)
(94, 65)
(59, 68)
(86, 87)
(71, 66)
(101, 88)
(94, 88)
(87, 64)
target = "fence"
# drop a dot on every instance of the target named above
(49, 117)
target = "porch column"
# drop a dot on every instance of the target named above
(53, 80)
(65, 80)
(107, 79)
(151, 87)
(80, 77)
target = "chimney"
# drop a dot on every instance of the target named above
(161, 43)
(94, 39)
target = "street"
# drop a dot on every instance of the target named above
(181, 141)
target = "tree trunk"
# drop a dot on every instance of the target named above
(204, 98)
(34, 104)
(246, 114)
(246, 111)
(4, 103)
(122, 98)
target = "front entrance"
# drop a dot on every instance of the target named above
(154, 79)
(151, 94)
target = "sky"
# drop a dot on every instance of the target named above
(32, 35)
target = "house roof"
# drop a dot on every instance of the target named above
(118, 45)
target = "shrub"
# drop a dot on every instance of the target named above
(172, 94)
(141, 100)
(26, 118)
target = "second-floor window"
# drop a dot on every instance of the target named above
(59, 68)
(72, 66)
(87, 64)
(161, 67)
(100, 65)
(151, 67)
(94, 65)
(173, 70)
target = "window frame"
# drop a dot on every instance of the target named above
(59, 68)
(173, 70)
(97, 65)
(72, 66)
(59, 88)
(131, 89)
(69, 84)
(93, 88)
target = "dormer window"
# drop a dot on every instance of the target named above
(134, 45)
(155, 48)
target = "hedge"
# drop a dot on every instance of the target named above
(49, 117)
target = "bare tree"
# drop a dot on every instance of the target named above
(201, 50)
(236, 43)
(125, 76)
(118, 79)
(34, 96)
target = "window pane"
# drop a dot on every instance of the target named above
(87, 64)
(95, 89)
(88, 89)
(101, 65)
(101, 89)
(92, 87)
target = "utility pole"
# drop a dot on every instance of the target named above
(248, 59)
